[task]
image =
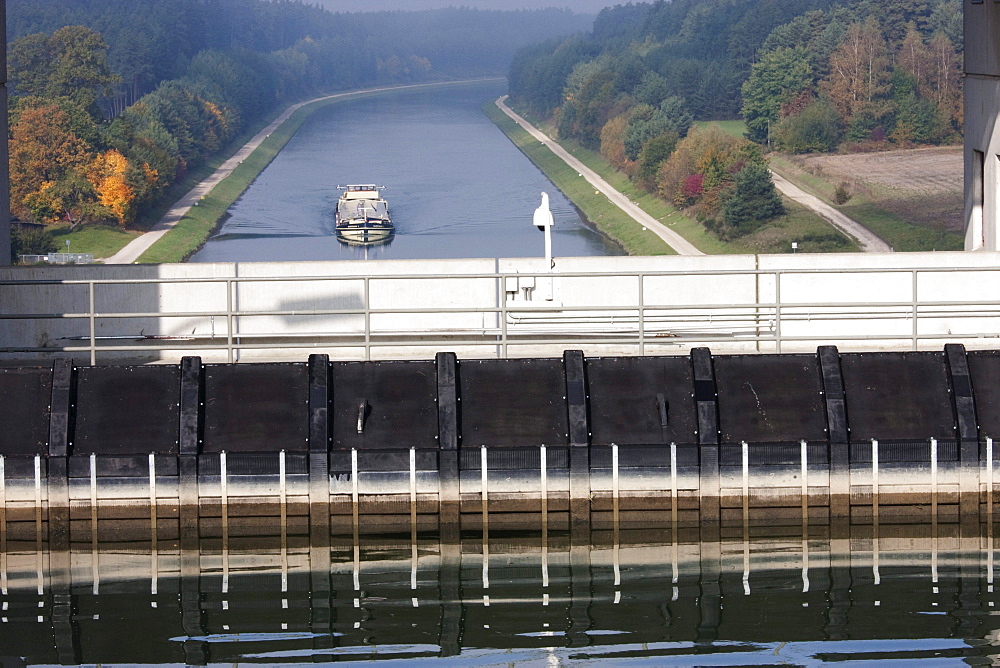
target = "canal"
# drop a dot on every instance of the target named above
(456, 186)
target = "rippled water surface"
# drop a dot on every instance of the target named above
(456, 186)
(914, 595)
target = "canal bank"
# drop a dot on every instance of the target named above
(579, 178)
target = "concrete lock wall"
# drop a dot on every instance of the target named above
(457, 444)
(856, 301)
(982, 135)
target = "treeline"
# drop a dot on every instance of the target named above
(805, 76)
(873, 79)
(114, 100)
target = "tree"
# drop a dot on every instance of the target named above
(613, 141)
(779, 77)
(109, 175)
(647, 122)
(815, 129)
(915, 58)
(71, 63)
(656, 151)
(46, 163)
(944, 79)
(859, 73)
(752, 201)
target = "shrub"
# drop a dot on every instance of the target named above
(815, 129)
(843, 194)
(30, 241)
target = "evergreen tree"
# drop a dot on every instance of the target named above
(752, 201)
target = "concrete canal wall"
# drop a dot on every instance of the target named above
(487, 308)
(449, 444)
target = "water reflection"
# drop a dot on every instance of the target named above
(913, 593)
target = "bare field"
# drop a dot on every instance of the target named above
(922, 186)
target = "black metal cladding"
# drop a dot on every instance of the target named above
(256, 407)
(398, 399)
(984, 369)
(512, 402)
(641, 401)
(898, 396)
(126, 410)
(24, 409)
(770, 399)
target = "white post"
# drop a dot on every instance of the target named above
(543, 221)
(548, 261)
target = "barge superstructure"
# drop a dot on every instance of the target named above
(363, 215)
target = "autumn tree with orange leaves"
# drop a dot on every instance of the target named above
(109, 173)
(47, 165)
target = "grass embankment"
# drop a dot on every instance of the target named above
(810, 231)
(191, 231)
(901, 235)
(607, 217)
(100, 240)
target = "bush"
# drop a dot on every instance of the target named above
(842, 195)
(30, 241)
(815, 129)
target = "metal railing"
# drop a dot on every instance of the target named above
(645, 318)
(57, 258)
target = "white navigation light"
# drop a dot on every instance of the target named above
(543, 215)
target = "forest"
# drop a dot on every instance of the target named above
(804, 76)
(113, 101)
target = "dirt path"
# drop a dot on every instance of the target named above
(868, 240)
(674, 240)
(134, 249)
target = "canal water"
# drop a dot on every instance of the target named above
(916, 595)
(456, 186)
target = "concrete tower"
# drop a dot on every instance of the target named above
(4, 164)
(982, 134)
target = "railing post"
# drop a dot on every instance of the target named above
(229, 319)
(642, 314)
(93, 323)
(503, 324)
(916, 307)
(368, 318)
(777, 311)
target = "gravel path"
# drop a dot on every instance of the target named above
(868, 240)
(674, 240)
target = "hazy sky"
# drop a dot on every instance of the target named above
(583, 6)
